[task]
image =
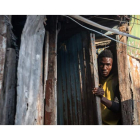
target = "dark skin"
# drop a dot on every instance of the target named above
(105, 67)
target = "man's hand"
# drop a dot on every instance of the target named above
(98, 91)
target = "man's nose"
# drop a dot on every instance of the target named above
(104, 67)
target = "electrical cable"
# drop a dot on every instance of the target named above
(100, 33)
(94, 24)
(115, 20)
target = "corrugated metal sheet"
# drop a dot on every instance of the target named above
(75, 99)
(134, 29)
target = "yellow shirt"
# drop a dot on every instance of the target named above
(109, 86)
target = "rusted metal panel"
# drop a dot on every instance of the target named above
(48, 108)
(134, 66)
(134, 29)
(30, 99)
(51, 106)
(124, 85)
(75, 99)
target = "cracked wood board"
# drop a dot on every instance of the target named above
(30, 98)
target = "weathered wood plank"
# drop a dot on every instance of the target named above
(51, 89)
(3, 46)
(123, 75)
(134, 66)
(7, 103)
(95, 78)
(30, 100)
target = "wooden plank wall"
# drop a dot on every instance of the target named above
(75, 99)
(30, 98)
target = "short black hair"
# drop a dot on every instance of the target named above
(105, 53)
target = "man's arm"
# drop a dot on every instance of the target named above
(112, 105)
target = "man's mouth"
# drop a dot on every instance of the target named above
(104, 72)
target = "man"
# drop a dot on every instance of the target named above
(109, 89)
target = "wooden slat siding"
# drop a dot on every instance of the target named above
(51, 99)
(124, 85)
(95, 78)
(29, 108)
(7, 97)
(83, 66)
(134, 66)
(73, 90)
(79, 98)
(68, 74)
(3, 46)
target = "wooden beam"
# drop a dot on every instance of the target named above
(30, 98)
(95, 78)
(123, 75)
(51, 83)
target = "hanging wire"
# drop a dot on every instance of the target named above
(101, 33)
(116, 20)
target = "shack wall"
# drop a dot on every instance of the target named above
(75, 100)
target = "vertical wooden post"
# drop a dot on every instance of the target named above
(123, 75)
(95, 78)
(51, 83)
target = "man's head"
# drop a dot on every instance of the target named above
(105, 61)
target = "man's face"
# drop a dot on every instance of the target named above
(105, 66)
